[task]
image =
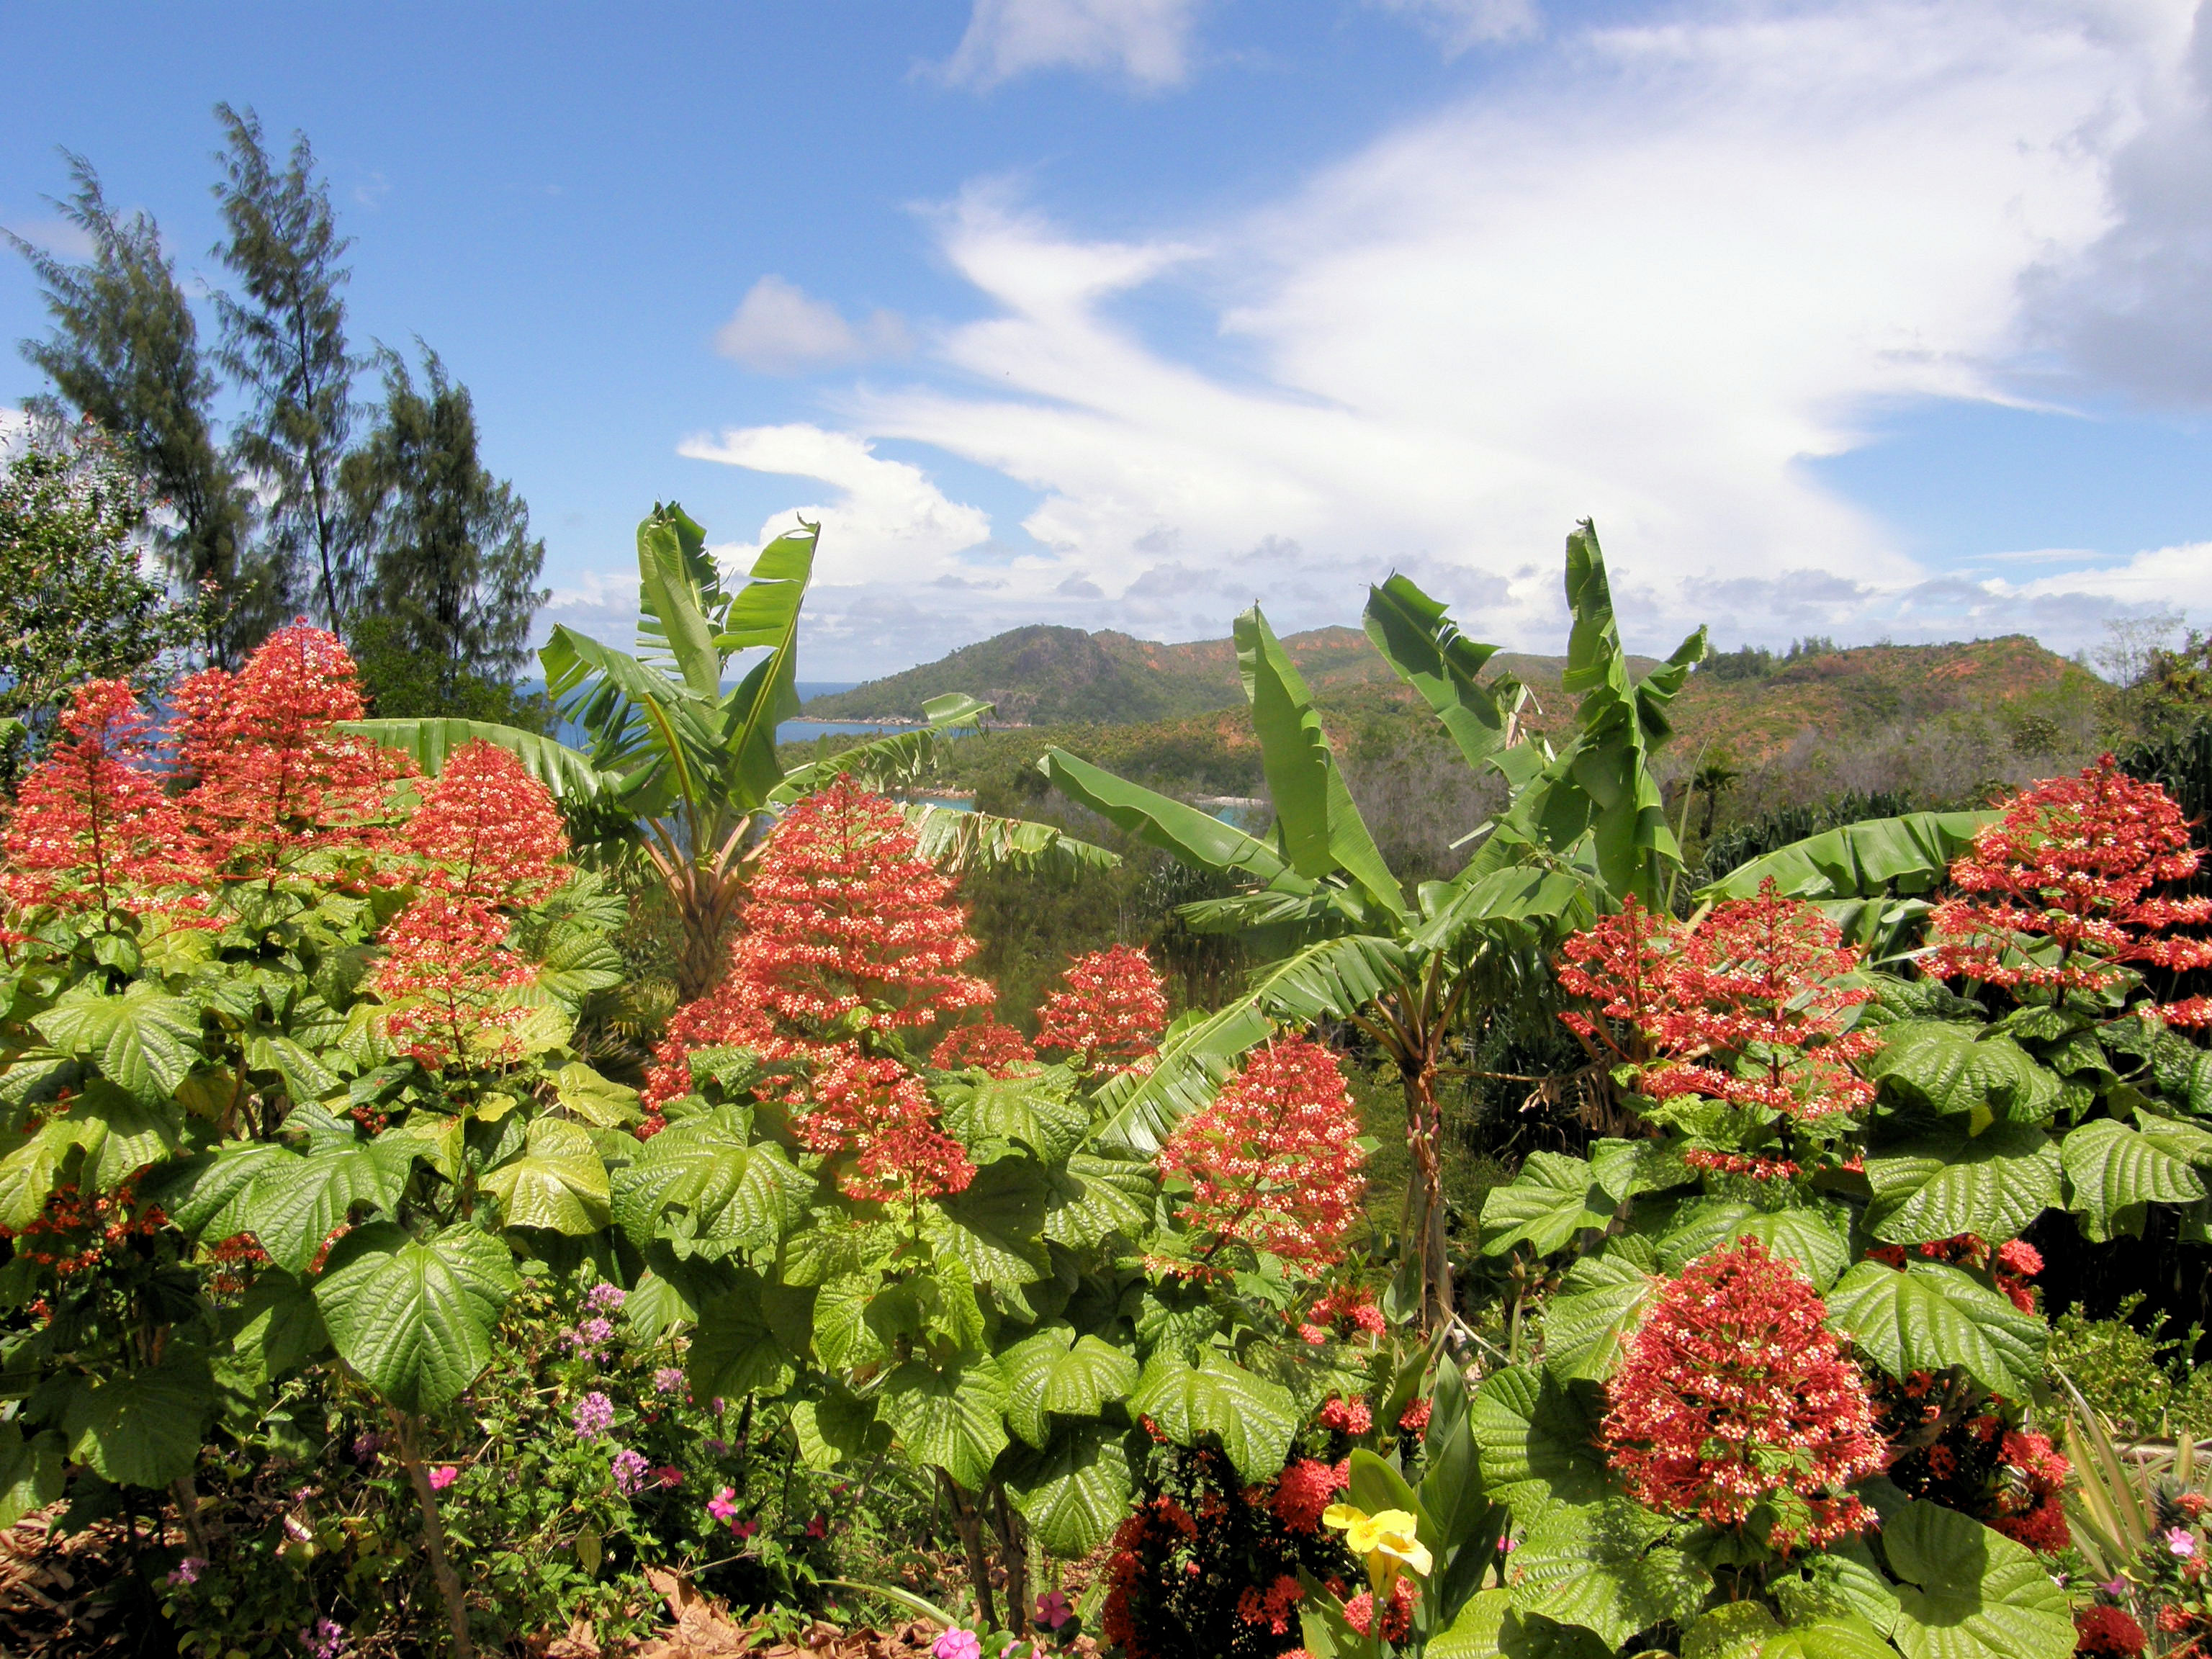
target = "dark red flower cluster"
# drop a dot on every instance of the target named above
(77, 1230)
(2104, 1632)
(1274, 1159)
(1342, 1310)
(488, 839)
(1743, 1008)
(1741, 1164)
(2055, 894)
(273, 778)
(1112, 1014)
(1733, 1391)
(1397, 1614)
(1276, 1608)
(1306, 1488)
(987, 1045)
(1346, 1417)
(94, 828)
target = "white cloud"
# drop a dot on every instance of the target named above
(1148, 41)
(888, 522)
(2156, 580)
(780, 328)
(60, 237)
(1460, 25)
(1642, 279)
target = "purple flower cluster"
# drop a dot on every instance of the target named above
(604, 1298)
(590, 1338)
(187, 1571)
(629, 1470)
(669, 1379)
(593, 1416)
(324, 1639)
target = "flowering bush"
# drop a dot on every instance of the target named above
(1112, 1013)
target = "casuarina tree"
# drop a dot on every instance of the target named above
(283, 339)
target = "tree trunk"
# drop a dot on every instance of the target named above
(968, 1522)
(1427, 1236)
(433, 1537)
(1014, 1556)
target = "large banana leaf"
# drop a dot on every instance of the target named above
(1558, 901)
(1322, 832)
(960, 843)
(1425, 649)
(562, 769)
(1600, 784)
(678, 583)
(1185, 832)
(1903, 856)
(887, 762)
(765, 612)
(1331, 978)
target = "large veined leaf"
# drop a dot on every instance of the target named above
(1093, 1197)
(1957, 1069)
(1814, 1236)
(1602, 1567)
(735, 1349)
(1321, 829)
(279, 1326)
(569, 774)
(143, 1041)
(951, 1418)
(297, 1199)
(1535, 1440)
(31, 1471)
(1993, 1184)
(597, 1100)
(723, 1186)
(1037, 1108)
(1073, 1491)
(1599, 1304)
(1489, 1626)
(886, 764)
(677, 581)
(1253, 1418)
(1838, 1637)
(1932, 1315)
(558, 1181)
(1548, 903)
(414, 1317)
(838, 1426)
(121, 1133)
(143, 1428)
(1425, 649)
(1552, 1199)
(1058, 1372)
(2117, 1172)
(1908, 855)
(1966, 1592)
(996, 1226)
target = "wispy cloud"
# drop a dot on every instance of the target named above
(780, 328)
(1459, 26)
(1148, 42)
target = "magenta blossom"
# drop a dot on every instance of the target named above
(669, 1379)
(629, 1470)
(605, 1298)
(443, 1476)
(595, 1415)
(721, 1506)
(1053, 1611)
(958, 1644)
(187, 1571)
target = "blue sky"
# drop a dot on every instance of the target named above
(1867, 319)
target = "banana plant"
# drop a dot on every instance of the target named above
(685, 770)
(1584, 831)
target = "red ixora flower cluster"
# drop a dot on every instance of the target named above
(2104, 1632)
(2053, 893)
(93, 829)
(1742, 1009)
(1273, 1159)
(1734, 1394)
(273, 778)
(489, 838)
(1113, 1012)
(1000, 1050)
(844, 915)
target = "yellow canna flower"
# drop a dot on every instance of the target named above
(1386, 1540)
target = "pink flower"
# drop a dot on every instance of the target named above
(958, 1644)
(721, 1506)
(2180, 1541)
(443, 1476)
(187, 1571)
(629, 1470)
(593, 1416)
(668, 1380)
(1053, 1611)
(745, 1529)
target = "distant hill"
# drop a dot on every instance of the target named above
(1050, 676)
(1047, 675)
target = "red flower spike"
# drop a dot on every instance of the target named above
(878, 1110)
(488, 831)
(1113, 1013)
(93, 827)
(1273, 1159)
(446, 971)
(1733, 1390)
(274, 779)
(2068, 866)
(998, 1049)
(1756, 975)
